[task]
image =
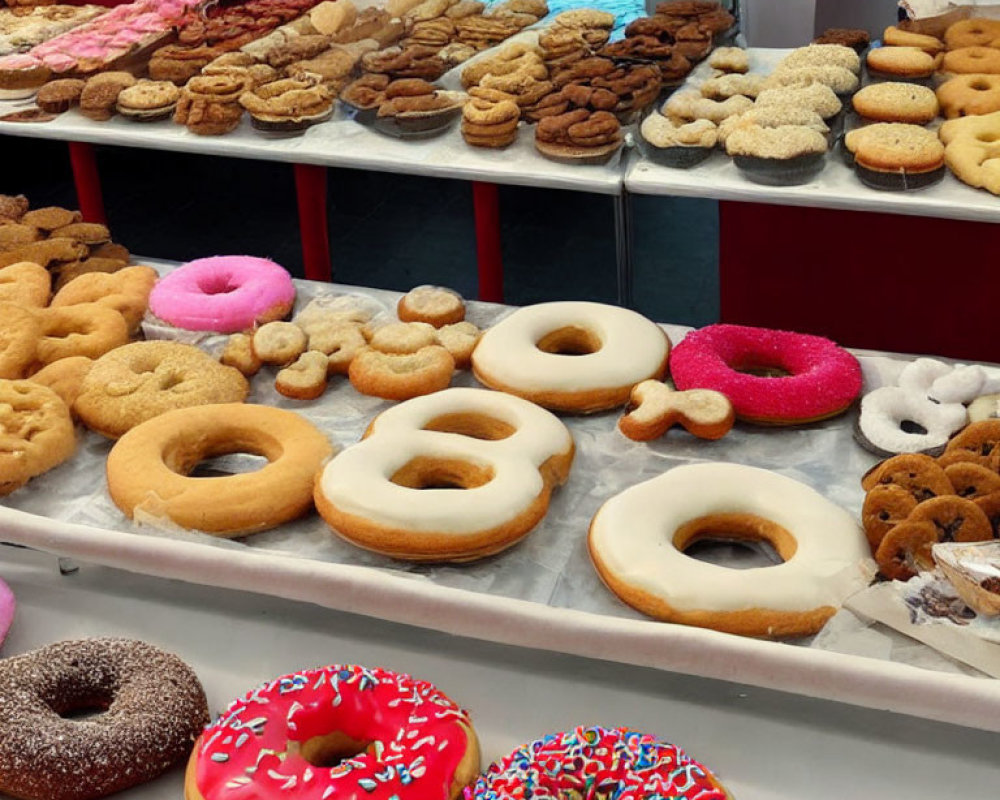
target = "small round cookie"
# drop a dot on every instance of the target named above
(637, 541)
(655, 407)
(571, 356)
(20, 330)
(431, 304)
(894, 101)
(459, 339)
(149, 467)
(401, 376)
(983, 60)
(453, 476)
(305, 379)
(279, 343)
(979, 443)
(144, 379)
(152, 708)
(403, 337)
(972, 480)
(901, 63)
(969, 95)
(36, 432)
(885, 506)
(974, 32)
(25, 284)
(919, 474)
(240, 355)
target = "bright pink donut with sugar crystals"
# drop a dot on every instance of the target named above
(224, 294)
(823, 378)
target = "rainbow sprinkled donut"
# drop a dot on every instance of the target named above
(593, 762)
(771, 377)
(336, 733)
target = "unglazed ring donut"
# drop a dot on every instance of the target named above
(571, 356)
(821, 378)
(153, 705)
(826, 557)
(395, 493)
(610, 762)
(224, 294)
(148, 467)
(394, 737)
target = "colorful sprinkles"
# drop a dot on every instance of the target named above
(412, 741)
(592, 763)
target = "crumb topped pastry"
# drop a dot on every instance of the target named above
(774, 117)
(820, 55)
(731, 84)
(840, 79)
(815, 97)
(782, 142)
(662, 132)
(690, 105)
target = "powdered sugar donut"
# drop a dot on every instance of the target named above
(571, 356)
(895, 420)
(395, 492)
(598, 762)
(393, 736)
(814, 377)
(224, 294)
(637, 542)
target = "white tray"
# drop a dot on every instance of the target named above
(543, 593)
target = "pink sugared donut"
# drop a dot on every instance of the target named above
(813, 378)
(7, 606)
(224, 294)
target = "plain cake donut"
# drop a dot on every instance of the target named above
(571, 356)
(825, 552)
(336, 733)
(152, 705)
(149, 467)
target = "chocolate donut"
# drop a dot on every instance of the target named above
(152, 705)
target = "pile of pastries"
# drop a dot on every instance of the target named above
(22, 27)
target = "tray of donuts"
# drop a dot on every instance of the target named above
(363, 408)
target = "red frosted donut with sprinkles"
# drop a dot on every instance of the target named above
(592, 762)
(336, 733)
(771, 377)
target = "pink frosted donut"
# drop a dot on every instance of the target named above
(7, 606)
(770, 377)
(225, 294)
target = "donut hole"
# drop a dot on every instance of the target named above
(762, 370)
(229, 464)
(570, 341)
(82, 713)
(911, 426)
(331, 749)
(475, 426)
(738, 541)
(980, 85)
(216, 283)
(441, 473)
(214, 458)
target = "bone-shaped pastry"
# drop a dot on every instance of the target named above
(655, 407)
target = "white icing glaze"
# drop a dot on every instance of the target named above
(884, 409)
(357, 481)
(919, 375)
(961, 385)
(632, 534)
(632, 349)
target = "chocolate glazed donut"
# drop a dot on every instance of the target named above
(153, 709)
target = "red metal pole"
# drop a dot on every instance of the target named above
(310, 189)
(486, 204)
(88, 182)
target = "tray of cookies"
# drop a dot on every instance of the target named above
(530, 552)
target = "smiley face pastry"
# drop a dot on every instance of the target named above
(36, 432)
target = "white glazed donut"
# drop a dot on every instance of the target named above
(637, 539)
(919, 375)
(883, 412)
(395, 491)
(571, 356)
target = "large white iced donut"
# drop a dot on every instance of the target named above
(451, 476)
(571, 356)
(637, 542)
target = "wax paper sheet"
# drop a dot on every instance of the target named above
(551, 566)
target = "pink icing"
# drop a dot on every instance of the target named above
(414, 743)
(223, 293)
(7, 607)
(823, 377)
(19, 61)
